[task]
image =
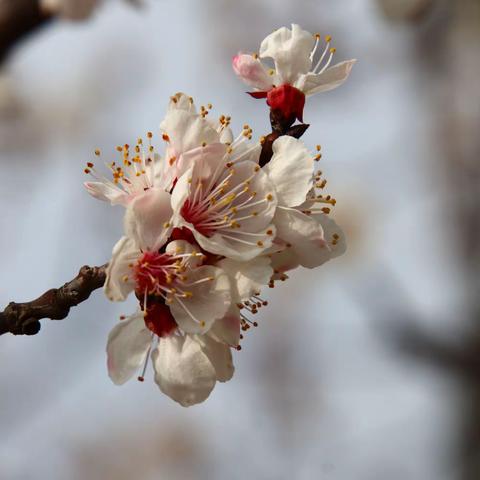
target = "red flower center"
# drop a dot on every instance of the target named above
(153, 272)
(197, 214)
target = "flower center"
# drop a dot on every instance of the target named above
(198, 215)
(153, 272)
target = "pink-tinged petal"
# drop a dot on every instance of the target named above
(251, 70)
(182, 370)
(290, 170)
(285, 260)
(127, 348)
(304, 234)
(120, 282)
(331, 78)
(186, 131)
(148, 219)
(290, 50)
(247, 277)
(106, 193)
(227, 329)
(220, 356)
(208, 300)
(190, 157)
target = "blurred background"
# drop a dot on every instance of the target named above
(365, 369)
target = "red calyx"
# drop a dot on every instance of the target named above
(288, 100)
(159, 319)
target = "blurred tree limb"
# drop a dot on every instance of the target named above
(23, 318)
(18, 19)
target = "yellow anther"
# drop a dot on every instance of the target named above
(269, 197)
(328, 38)
(333, 50)
(260, 243)
(97, 152)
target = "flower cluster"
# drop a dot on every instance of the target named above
(206, 227)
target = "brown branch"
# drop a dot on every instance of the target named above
(280, 126)
(18, 19)
(23, 318)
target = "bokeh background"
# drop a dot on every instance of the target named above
(365, 369)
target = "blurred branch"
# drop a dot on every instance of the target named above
(19, 18)
(23, 318)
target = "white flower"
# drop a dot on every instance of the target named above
(187, 133)
(186, 366)
(196, 294)
(227, 205)
(136, 172)
(295, 74)
(311, 238)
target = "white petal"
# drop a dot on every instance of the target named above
(285, 260)
(104, 192)
(220, 356)
(192, 157)
(252, 71)
(247, 277)
(127, 347)
(209, 300)
(120, 282)
(330, 228)
(148, 219)
(305, 235)
(290, 170)
(182, 370)
(290, 49)
(236, 246)
(187, 130)
(331, 78)
(227, 329)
